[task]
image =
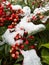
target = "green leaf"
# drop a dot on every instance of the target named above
(46, 13)
(6, 49)
(47, 26)
(45, 55)
(17, 64)
(45, 59)
(45, 45)
(2, 30)
(44, 52)
(1, 47)
(19, 59)
(0, 61)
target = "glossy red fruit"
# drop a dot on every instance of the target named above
(22, 47)
(1, 24)
(26, 42)
(17, 44)
(18, 56)
(32, 47)
(10, 26)
(41, 17)
(33, 3)
(13, 46)
(25, 33)
(15, 20)
(1, 11)
(13, 55)
(31, 37)
(17, 53)
(34, 18)
(16, 38)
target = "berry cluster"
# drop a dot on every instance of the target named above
(2, 15)
(38, 17)
(8, 14)
(15, 49)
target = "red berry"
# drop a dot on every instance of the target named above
(10, 26)
(38, 13)
(32, 47)
(34, 18)
(13, 55)
(17, 53)
(20, 36)
(1, 12)
(17, 48)
(13, 15)
(25, 33)
(22, 47)
(15, 20)
(17, 44)
(31, 37)
(33, 3)
(18, 56)
(3, 0)
(16, 38)
(41, 17)
(1, 24)
(10, 18)
(8, 6)
(13, 46)
(27, 42)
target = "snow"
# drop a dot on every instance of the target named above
(30, 57)
(27, 26)
(16, 7)
(6, 2)
(30, 27)
(42, 9)
(25, 1)
(20, 41)
(1, 42)
(8, 37)
(45, 19)
(26, 10)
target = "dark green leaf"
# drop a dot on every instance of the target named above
(44, 45)
(17, 64)
(45, 55)
(45, 59)
(0, 61)
(19, 59)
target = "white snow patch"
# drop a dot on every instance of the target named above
(26, 10)
(16, 7)
(30, 57)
